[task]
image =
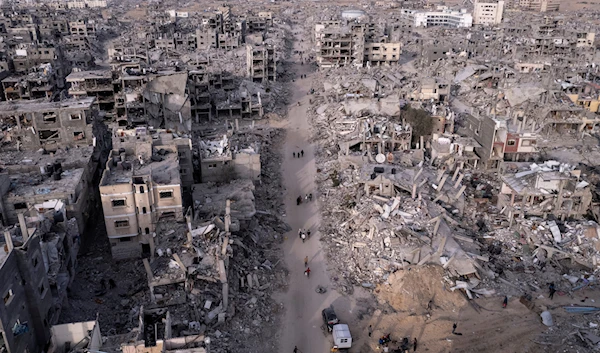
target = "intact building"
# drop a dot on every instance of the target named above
(486, 12)
(446, 18)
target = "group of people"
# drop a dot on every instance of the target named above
(303, 234)
(307, 198)
(299, 154)
(303, 76)
(403, 347)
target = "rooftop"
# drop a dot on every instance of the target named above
(18, 107)
(72, 158)
(163, 167)
(91, 74)
(33, 184)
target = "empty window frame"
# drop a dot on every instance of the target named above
(49, 117)
(122, 224)
(78, 135)
(118, 203)
(48, 134)
(165, 194)
(8, 297)
(20, 205)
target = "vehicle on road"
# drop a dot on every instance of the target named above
(342, 339)
(330, 319)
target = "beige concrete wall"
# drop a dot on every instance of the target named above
(108, 193)
(247, 166)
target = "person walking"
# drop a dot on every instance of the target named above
(294, 153)
(295, 349)
(415, 345)
(505, 302)
(552, 290)
(370, 330)
(310, 197)
(302, 153)
(307, 271)
(305, 261)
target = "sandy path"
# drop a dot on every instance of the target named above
(302, 322)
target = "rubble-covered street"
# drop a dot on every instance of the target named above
(389, 176)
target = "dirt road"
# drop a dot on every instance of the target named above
(302, 322)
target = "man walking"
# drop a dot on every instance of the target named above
(305, 261)
(295, 349)
(552, 290)
(302, 153)
(370, 330)
(294, 153)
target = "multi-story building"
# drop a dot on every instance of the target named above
(95, 83)
(37, 266)
(340, 45)
(378, 54)
(350, 42)
(486, 12)
(207, 38)
(540, 5)
(140, 186)
(261, 63)
(444, 17)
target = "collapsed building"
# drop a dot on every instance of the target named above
(355, 41)
(37, 266)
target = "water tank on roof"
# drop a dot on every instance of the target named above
(352, 14)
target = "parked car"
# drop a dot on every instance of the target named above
(329, 318)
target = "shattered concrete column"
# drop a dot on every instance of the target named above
(150, 279)
(152, 246)
(414, 191)
(23, 226)
(459, 180)
(8, 240)
(462, 189)
(418, 174)
(227, 215)
(456, 173)
(442, 182)
(237, 124)
(440, 175)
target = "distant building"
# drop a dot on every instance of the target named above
(540, 5)
(486, 12)
(443, 17)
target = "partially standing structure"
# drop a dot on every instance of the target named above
(140, 186)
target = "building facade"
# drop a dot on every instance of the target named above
(487, 13)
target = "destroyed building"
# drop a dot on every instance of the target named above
(40, 166)
(261, 63)
(353, 41)
(542, 190)
(225, 158)
(36, 266)
(97, 84)
(48, 125)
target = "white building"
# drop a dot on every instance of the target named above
(456, 19)
(487, 13)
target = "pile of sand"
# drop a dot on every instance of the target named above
(410, 290)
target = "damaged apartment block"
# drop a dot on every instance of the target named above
(142, 186)
(49, 154)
